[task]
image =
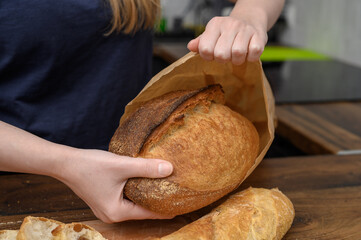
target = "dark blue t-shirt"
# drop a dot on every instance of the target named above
(61, 78)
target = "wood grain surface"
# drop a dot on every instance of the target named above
(323, 128)
(27, 194)
(325, 190)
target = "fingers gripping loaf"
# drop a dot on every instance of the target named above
(210, 146)
(254, 214)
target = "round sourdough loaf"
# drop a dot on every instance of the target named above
(210, 146)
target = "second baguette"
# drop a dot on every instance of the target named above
(253, 214)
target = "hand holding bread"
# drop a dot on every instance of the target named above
(98, 177)
(210, 146)
(212, 149)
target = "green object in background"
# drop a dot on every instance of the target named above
(161, 26)
(279, 53)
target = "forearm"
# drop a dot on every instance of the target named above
(265, 12)
(98, 177)
(21, 151)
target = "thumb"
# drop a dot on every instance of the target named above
(143, 167)
(193, 44)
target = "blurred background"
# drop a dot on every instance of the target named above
(312, 61)
(331, 27)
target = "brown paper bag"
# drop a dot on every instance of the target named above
(247, 91)
(246, 88)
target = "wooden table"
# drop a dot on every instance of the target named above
(322, 128)
(325, 190)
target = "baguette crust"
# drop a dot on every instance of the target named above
(8, 234)
(80, 231)
(35, 228)
(253, 214)
(210, 146)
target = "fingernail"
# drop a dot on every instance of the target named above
(165, 169)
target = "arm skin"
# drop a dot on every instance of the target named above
(240, 36)
(98, 177)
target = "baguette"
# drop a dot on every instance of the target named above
(210, 146)
(8, 234)
(253, 214)
(74, 231)
(35, 228)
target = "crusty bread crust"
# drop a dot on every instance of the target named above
(35, 228)
(8, 234)
(130, 136)
(40, 228)
(210, 146)
(80, 231)
(254, 213)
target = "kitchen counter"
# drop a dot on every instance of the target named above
(325, 191)
(322, 128)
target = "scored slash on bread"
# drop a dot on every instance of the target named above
(210, 146)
